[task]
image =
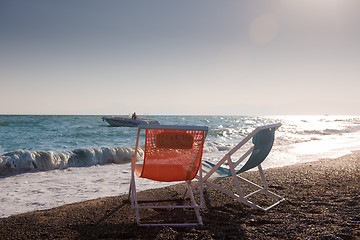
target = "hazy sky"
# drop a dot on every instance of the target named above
(250, 57)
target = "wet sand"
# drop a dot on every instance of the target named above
(322, 202)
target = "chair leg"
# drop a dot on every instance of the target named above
(264, 189)
(193, 203)
(188, 190)
(133, 198)
(129, 195)
(266, 186)
(185, 194)
(238, 195)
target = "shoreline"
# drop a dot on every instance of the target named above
(322, 201)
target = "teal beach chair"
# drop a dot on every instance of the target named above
(262, 139)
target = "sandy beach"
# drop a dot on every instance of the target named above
(322, 202)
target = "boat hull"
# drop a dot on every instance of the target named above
(128, 122)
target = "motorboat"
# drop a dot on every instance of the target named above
(128, 122)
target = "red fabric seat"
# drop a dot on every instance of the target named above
(171, 153)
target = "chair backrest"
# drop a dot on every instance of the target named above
(172, 154)
(263, 142)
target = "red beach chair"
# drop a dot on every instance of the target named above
(172, 153)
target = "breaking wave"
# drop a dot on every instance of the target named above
(21, 161)
(331, 131)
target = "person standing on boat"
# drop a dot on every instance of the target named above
(134, 116)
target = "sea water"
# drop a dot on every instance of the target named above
(48, 161)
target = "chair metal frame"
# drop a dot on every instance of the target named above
(188, 189)
(239, 195)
